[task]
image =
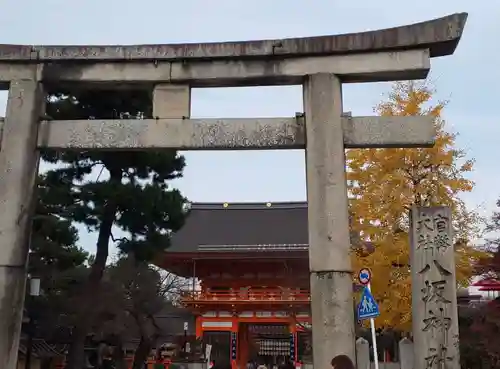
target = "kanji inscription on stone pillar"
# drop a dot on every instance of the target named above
(434, 293)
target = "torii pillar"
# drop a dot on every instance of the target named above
(320, 64)
(328, 221)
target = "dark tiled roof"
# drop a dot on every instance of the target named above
(40, 348)
(170, 321)
(212, 227)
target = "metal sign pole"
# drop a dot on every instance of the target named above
(374, 336)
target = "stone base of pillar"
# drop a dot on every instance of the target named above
(12, 287)
(332, 316)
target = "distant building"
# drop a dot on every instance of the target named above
(43, 355)
(251, 261)
(171, 322)
(487, 288)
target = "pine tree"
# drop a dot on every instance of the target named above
(55, 259)
(384, 183)
(108, 190)
(53, 247)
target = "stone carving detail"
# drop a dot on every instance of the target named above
(435, 321)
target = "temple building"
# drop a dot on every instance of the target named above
(487, 288)
(251, 299)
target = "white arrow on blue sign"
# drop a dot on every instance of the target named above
(368, 307)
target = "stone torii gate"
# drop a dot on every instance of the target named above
(320, 64)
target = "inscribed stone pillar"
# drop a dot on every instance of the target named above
(434, 296)
(18, 172)
(328, 221)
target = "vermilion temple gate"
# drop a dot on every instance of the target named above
(320, 64)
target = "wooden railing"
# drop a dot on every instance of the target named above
(248, 295)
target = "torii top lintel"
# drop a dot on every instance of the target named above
(440, 36)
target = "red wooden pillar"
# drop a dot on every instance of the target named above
(199, 329)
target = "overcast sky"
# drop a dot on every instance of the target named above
(467, 78)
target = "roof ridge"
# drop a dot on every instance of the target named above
(248, 205)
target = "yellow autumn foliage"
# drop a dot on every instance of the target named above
(384, 183)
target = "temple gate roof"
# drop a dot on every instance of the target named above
(243, 227)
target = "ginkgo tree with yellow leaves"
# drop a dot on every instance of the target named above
(385, 183)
